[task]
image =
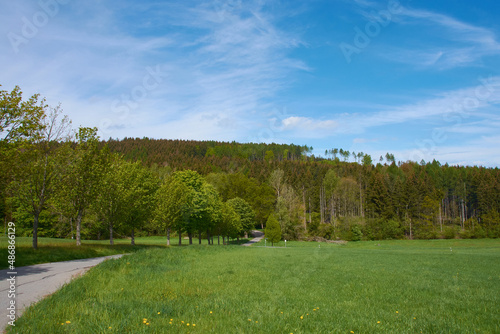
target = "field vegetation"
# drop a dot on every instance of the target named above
(439, 286)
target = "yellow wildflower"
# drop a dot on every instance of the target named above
(68, 322)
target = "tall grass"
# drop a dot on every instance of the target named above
(380, 287)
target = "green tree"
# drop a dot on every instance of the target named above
(21, 123)
(171, 206)
(39, 165)
(138, 190)
(230, 224)
(273, 230)
(246, 213)
(81, 182)
(110, 203)
(20, 120)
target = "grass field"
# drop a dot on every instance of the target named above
(442, 286)
(55, 250)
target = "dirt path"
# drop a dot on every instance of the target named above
(257, 237)
(33, 283)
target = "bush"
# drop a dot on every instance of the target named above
(448, 232)
(356, 233)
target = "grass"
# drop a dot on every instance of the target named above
(365, 287)
(56, 250)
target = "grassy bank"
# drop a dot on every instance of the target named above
(55, 250)
(366, 287)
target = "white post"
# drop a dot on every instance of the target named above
(285, 243)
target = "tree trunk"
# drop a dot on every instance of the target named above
(304, 204)
(111, 241)
(199, 237)
(208, 236)
(132, 242)
(168, 236)
(218, 239)
(78, 228)
(310, 211)
(190, 236)
(180, 237)
(35, 230)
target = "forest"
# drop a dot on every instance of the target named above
(67, 183)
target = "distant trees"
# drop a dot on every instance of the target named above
(144, 186)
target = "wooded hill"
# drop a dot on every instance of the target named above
(335, 198)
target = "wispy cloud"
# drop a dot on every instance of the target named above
(445, 108)
(451, 43)
(216, 58)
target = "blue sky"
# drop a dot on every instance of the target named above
(419, 79)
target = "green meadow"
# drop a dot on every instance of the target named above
(440, 286)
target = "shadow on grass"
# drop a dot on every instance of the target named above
(26, 256)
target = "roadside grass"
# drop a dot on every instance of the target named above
(364, 287)
(56, 250)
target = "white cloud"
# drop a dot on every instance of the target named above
(306, 123)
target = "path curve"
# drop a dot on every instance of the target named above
(35, 282)
(257, 237)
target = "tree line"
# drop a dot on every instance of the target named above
(64, 183)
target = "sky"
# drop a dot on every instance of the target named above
(418, 79)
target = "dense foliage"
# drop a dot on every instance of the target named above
(55, 184)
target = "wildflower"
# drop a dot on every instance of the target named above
(170, 322)
(109, 327)
(210, 312)
(194, 325)
(249, 319)
(68, 322)
(256, 321)
(188, 324)
(397, 312)
(378, 322)
(147, 323)
(159, 312)
(171, 319)
(301, 317)
(62, 323)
